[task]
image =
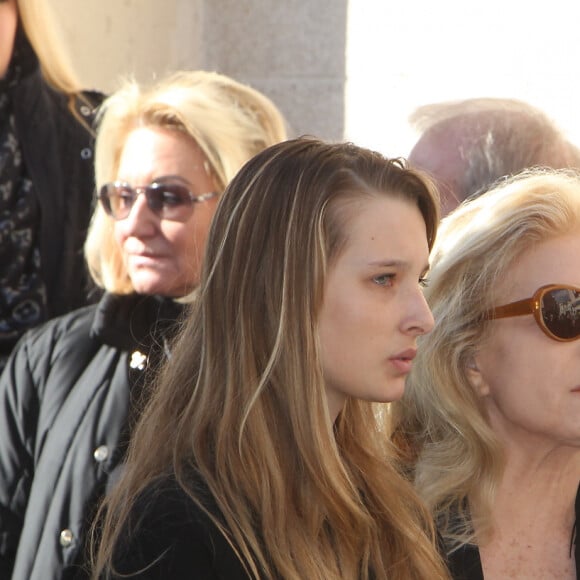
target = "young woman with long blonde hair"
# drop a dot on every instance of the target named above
(263, 453)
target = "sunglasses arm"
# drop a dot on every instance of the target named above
(519, 308)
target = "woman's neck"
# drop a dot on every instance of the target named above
(533, 516)
(540, 469)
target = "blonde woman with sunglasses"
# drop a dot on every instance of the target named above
(73, 388)
(490, 420)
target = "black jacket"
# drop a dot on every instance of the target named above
(65, 404)
(56, 135)
(57, 145)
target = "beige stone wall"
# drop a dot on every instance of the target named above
(397, 55)
(294, 50)
(113, 38)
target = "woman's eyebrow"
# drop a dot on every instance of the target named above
(163, 178)
(390, 263)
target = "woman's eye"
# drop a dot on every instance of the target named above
(171, 198)
(384, 279)
(126, 200)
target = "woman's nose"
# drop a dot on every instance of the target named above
(420, 320)
(141, 221)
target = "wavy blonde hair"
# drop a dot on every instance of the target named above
(229, 121)
(441, 423)
(243, 400)
(41, 28)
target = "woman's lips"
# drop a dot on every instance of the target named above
(146, 259)
(404, 360)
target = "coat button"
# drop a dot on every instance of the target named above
(101, 453)
(66, 538)
(86, 153)
(85, 110)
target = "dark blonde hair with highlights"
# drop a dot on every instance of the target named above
(441, 423)
(243, 400)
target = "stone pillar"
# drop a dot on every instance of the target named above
(293, 51)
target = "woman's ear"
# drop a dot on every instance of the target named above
(475, 377)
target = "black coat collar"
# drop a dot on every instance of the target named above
(125, 321)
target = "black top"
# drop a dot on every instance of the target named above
(172, 537)
(465, 563)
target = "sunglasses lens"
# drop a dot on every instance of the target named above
(561, 312)
(170, 201)
(117, 200)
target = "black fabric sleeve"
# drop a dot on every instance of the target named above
(19, 408)
(169, 536)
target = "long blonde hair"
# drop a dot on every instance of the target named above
(441, 423)
(243, 399)
(40, 25)
(229, 121)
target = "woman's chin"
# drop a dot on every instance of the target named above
(159, 285)
(152, 285)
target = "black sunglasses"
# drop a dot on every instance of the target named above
(169, 201)
(556, 308)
